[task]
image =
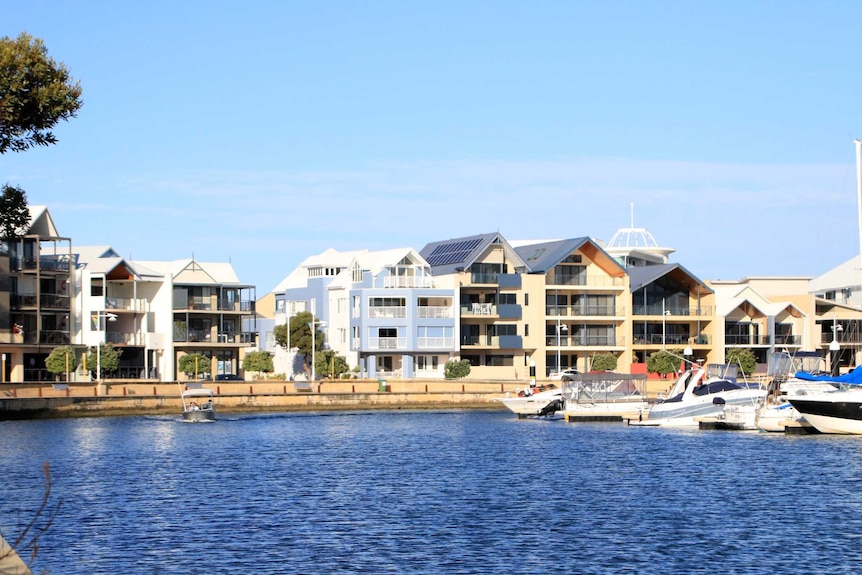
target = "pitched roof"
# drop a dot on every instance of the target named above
(542, 257)
(641, 276)
(448, 256)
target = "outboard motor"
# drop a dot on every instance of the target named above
(551, 408)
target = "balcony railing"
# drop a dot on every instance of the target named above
(670, 339)
(479, 309)
(588, 281)
(435, 342)
(737, 339)
(484, 278)
(585, 310)
(126, 304)
(583, 340)
(45, 263)
(387, 312)
(433, 312)
(658, 310)
(387, 343)
(408, 282)
(124, 338)
(45, 300)
(54, 337)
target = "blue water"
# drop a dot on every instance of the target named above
(430, 492)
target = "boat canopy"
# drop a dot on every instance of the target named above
(852, 378)
(203, 392)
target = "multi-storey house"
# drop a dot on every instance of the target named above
(381, 311)
(35, 289)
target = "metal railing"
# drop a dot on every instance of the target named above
(387, 312)
(584, 310)
(435, 342)
(387, 343)
(433, 312)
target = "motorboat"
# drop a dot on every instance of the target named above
(835, 411)
(777, 412)
(198, 404)
(533, 401)
(701, 392)
(603, 395)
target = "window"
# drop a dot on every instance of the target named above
(526, 299)
(498, 360)
(526, 330)
(426, 362)
(507, 299)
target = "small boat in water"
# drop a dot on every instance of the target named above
(603, 395)
(198, 404)
(701, 393)
(533, 401)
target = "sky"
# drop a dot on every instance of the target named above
(263, 132)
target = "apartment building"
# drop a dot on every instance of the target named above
(35, 302)
(381, 310)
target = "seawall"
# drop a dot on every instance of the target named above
(27, 401)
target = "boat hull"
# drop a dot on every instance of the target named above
(832, 413)
(200, 415)
(530, 404)
(685, 414)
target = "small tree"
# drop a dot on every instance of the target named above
(329, 362)
(663, 362)
(258, 361)
(61, 360)
(744, 358)
(300, 336)
(456, 369)
(604, 362)
(109, 356)
(194, 364)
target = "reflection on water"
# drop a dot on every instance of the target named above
(422, 492)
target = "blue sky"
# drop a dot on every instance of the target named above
(263, 132)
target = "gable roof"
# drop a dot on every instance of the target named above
(642, 276)
(542, 257)
(448, 256)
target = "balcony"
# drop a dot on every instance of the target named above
(45, 263)
(384, 312)
(433, 312)
(384, 343)
(479, 309)
(408, 282)
(593, 280)
(43, 300)
(584, 340)
(585, 310)
(125, 304)
(657, 310)
(445, 343)
(124, 338)
(736, 339)
(484, 278)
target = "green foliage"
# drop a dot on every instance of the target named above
(259, 361)
(300, 334)
(456, 369)
(109, 356)
(604, 362)
(330, 363)
(194, 364)
(61, 360)
(36, 93)
(14, 215)
(744, 358)
(663, 362)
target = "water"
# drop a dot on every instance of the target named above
(430, 492)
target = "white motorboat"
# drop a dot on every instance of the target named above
(198, 404)
(603, 395)
(701, 393)
(777, 412)
(835, 411)
(533, 402)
